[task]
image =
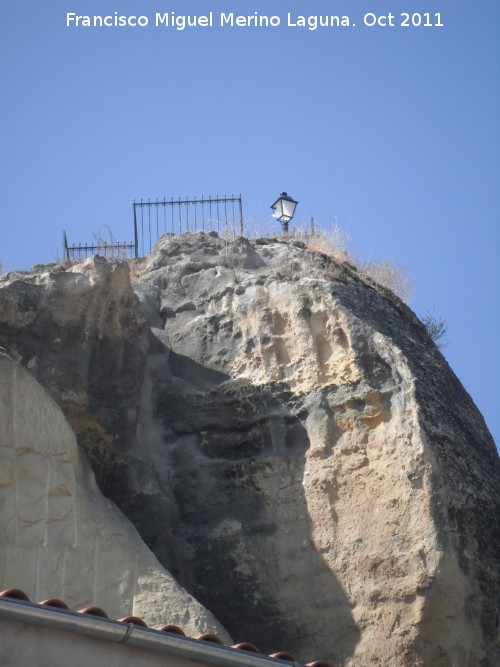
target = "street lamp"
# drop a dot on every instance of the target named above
(284, 208)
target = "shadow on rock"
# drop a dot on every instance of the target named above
(238, 459)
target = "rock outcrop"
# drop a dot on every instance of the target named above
(60, 536)
(285, 437)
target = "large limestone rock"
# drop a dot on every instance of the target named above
(286, 438)
(59, 536)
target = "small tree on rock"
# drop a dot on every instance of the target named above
(437, 328)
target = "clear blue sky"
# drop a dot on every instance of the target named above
(393, 131)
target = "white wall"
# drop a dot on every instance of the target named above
(27, 645)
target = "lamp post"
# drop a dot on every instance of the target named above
(284, 209)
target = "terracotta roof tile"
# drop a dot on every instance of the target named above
(283, 655)
(247, 646)
(174, 629)
(133, 619)
(54, 602)
(15, 594)
(209, 637)
(93, 611)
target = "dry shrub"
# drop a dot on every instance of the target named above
(389, 275)
(334, 242)
(110, 248)
(229, 232)
(437, 328)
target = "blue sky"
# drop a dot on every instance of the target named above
(394, 132)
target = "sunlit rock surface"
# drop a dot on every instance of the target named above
(285, 437)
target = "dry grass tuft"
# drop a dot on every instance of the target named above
(334, 242)
(109, 248)
(389, 275)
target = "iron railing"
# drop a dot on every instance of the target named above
(112, 250)
(177, 216)
(152, 219)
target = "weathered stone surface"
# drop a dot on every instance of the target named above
(291, 445)
(81, 331)
(59, 536)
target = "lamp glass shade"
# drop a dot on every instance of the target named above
(284, 207)
(288, 208)
(277, 210)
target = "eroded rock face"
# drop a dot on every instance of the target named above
(59, 536)
(329, 485)
(81, 332)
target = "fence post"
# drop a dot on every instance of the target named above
(241, 217)
(136, 236)
(65, 247)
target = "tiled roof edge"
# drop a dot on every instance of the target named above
(132, 634)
